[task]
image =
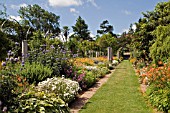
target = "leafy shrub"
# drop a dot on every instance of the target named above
(41, 102)
(103, 71)
(64, 88)
(89, 79)
(34, 72)
(8, 96)
(159, 98)
(55, 57)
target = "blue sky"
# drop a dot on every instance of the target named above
(119, 13)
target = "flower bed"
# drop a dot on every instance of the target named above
(157, 79)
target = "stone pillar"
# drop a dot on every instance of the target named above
(97, 54)
(109, 53)
(24, 50)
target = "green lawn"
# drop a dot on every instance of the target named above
(119, 95)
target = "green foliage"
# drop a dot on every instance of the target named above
(144, 37)
(159, 98)
(41, 102)
(39, 19)
(8, 96)
(160, 49)
(81, 29)
(105, 28)
(89, 79)
(107, 40)
(34, 72)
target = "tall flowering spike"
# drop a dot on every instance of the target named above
(23, 63)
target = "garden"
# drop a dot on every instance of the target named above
(44, 68)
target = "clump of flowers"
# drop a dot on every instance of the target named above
(158, 90)
(66, 89)
(83, 61)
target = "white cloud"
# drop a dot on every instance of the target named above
(17, 18)
(93, 3)
(73, 10)
(92, 35)
(23, 5)
(65, 3)
(125, 30)
(18, 6)
(126, 12)
(134, 27)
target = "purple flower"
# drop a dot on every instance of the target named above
(47, 51)
(75, 55)
(7, 59)
(23, 55)
(57, 59)
(16, 43)
(11, 59)
(52, 47)
(4, 109)
(3, 63)
(23, 63)
(9, 53)
(15, 59)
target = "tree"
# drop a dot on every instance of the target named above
(145, 27)
(40, 19)
(81, 29)
(160, 49)
(105, 28)
(107, 40)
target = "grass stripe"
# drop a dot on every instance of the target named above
(119, 95)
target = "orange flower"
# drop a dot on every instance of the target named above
(160, 62)
(163, 79)
(19, 79)
(20, 84)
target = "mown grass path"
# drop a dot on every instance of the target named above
(119, 95)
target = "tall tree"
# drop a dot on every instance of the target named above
(160, 50)
(145, 27)
(105, 28)
(81, 29)
(40, 19)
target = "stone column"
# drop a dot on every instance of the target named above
(24, 50)
(109, 53)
